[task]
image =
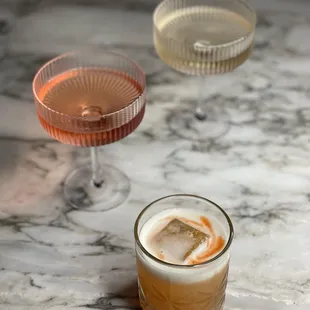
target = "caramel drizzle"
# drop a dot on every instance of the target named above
(217, 243)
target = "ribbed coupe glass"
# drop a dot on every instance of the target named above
(203, 37)
(91, 98)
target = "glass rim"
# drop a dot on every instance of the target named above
(244, 2)
(154, 258)
(76, 52)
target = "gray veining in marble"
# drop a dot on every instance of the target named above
(53, 257)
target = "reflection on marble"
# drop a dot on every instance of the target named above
(53, 257)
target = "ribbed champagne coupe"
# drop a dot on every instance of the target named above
(91, 98)
(203, 37)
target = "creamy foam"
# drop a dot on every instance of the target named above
(199, 220)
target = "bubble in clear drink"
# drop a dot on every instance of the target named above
(177, 241)
(202, 45)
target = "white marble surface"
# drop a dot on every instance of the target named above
(53, 257)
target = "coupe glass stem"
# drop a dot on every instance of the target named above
(97, 177)
(200, 112)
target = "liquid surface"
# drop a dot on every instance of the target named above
(199, 221)
(89, 92)
(216, 40)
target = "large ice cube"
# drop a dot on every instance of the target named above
(177, 241)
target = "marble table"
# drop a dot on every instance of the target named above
(54, 257)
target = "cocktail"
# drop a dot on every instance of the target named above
(183, 252)
(91, 98)
(203, 37)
